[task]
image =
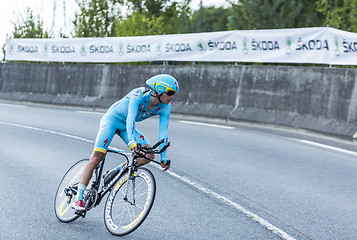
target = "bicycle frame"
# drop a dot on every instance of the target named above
(105, 189)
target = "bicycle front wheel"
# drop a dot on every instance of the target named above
(127, 207)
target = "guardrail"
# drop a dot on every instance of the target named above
(314, 98)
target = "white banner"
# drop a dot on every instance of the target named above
(300, 45)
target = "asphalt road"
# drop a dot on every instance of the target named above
(241, 182)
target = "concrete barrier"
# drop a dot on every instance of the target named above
(314, 98)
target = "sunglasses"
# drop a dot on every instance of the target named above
(170, 93)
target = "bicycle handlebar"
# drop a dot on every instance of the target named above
(152, 150)
(157, 144)
(142, 151)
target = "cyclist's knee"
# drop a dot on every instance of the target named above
(151, 156)
(142, 161)
(96, 158)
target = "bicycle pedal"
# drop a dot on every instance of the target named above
(81, 214)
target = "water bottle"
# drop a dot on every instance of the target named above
(108, 176)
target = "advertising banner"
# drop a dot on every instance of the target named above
(299, 45)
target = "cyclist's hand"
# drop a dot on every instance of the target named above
(166, 164)
(132, 145)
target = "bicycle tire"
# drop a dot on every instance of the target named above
(122, 218)
(62, 208)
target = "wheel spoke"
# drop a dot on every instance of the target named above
(125, 214)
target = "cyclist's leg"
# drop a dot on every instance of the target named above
(105, 135)
(140, 138)
(94, 160)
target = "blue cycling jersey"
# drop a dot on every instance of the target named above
(122, 116)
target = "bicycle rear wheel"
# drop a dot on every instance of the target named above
(67, 190)
(122, 216)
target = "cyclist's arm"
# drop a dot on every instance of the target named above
(133, 107)
(163, 128)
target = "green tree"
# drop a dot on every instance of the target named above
(341, 14)
(265, 14)
(154, 18)
(178, 16)
(210, 19)
(138, 24)
(97, 18)
(153, 7)
(29, 26)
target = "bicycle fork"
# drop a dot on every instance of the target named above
(131, 178)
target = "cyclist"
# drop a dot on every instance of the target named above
(138, 105)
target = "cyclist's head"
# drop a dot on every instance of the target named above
(163, 83)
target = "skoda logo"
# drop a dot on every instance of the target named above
(337, 49)
(288, 45)
(45, 50)
(12, 49)
(83, 50)
(245, 46)
(201, 47)
(158, 49)
(121, 49)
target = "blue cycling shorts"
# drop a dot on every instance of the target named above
(111, 125)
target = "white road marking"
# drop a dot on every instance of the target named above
(87, 112)
(328, 147)
(48, 131)
(12, 105)
(277, 231)
(207, 124)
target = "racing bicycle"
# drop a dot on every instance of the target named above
(131, 191)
